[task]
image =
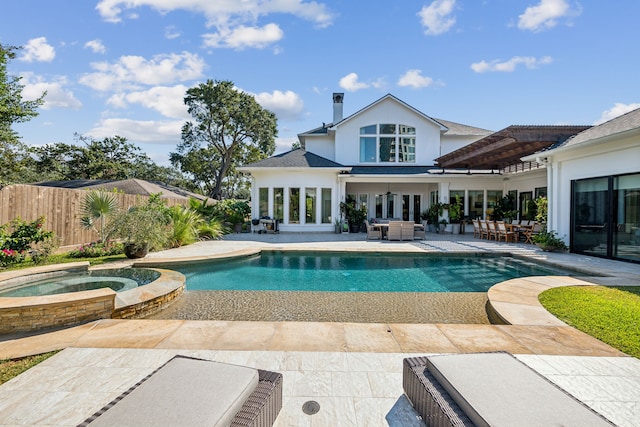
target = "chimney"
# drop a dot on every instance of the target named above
(337, 107)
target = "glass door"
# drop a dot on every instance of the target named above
(411, 207)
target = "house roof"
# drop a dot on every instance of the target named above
(127, 186)
(324, 129)
(459, 129)
(621, 124)
(297, 158)
(507, 146)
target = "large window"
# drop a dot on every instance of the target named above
(263, 201)
(387, 143)
(476, 203)
(605, 216)
(278, 203)
(326, 205)
(310, 206)
(294, 206)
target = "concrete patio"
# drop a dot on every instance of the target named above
(353, 370)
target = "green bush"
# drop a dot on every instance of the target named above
(18, 238)
(97, 249)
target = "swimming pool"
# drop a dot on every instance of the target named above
(359, 272)
(121, 279)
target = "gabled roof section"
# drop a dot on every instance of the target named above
(507, 146)
(615, 126)
(458, 129)
(297, 158)
(443, 128)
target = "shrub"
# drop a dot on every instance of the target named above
(43, 250)
(549, 241)
(97, 249)
(9, 256)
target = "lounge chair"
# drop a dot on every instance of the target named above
(195, 392)
(373, 231)
(489, 389)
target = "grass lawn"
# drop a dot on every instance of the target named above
(64, 258)
(611, 314)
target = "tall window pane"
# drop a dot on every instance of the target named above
(294, 206)
(326, 205)
(492, 198)
(476, 203)
(379, 202)
(626, 233)
(407, 150)
(368, 130)
(387, 129)
(263, 201)
(460, 194)
(368, 149)
(310, 206)
(387, 149)
(278, 203)
(407, 130)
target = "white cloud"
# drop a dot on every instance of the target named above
(437, 17)
(57, 96)
(96, 46)
(350, 83)
(618, 109)
(286, 105)
(224, 13)
(546, 14)
(38, 50)
(168, 101)
(414, 79)
(171, 32)
(161, 132)
(133, 71)
(284, 144)
(242, 37)
(509, 66)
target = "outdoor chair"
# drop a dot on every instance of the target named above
(408, 229)
(476, 228)
(529, 232)
(504, 234)
(373, 231)
(484, 229)
(419, 231)
(492, 231)
(395, 230)
(187, 391)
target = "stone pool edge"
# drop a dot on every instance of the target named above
(32, 314)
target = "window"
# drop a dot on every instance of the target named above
(492, 198)
(452, 199)
(476, 203)
(294, 206)
(310, 206)
(387, 143)
(263, 202)
(326, 205)
(278, 203)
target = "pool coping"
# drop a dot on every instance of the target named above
(35, 313)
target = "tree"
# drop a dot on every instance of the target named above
(13, 109)
(229, 129)
(98, 205)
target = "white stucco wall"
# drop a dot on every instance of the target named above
(309, 178)
(387, 111)
(322, 145)
(608, 158)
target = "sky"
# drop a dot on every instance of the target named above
(122, 67)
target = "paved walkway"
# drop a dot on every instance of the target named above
(352, 370)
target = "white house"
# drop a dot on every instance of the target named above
(395, 161)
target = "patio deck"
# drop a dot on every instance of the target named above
(354, 371)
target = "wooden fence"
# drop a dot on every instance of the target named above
(61, 208)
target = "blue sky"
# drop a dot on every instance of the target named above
(121, 67)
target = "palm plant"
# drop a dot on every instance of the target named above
(185, 223)
(98, 205)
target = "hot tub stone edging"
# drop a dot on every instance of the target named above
(29, 314)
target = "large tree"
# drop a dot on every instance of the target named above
(229, 129)
(109, 158)
(13, 109)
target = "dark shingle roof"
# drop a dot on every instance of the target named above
(297, 158)
(460, 129)
(620, 124)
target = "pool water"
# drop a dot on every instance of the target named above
(119, 280)
(348, 272)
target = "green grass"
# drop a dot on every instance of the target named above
(14, 367)
(611, 314)
(64, 258)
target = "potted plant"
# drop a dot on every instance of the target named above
(442, 225)
(337, 225)
(234, 212)
(355, 217)
(548, 241)
(142, 228)
(455, 214)
(433, 215)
